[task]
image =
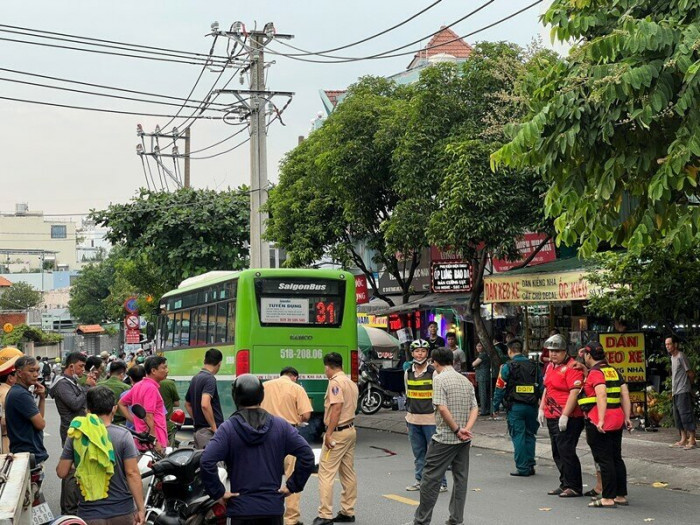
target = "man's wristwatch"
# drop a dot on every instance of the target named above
(457, 430)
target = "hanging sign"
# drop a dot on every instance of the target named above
(451, 277)
(537, 287)
(625, 351)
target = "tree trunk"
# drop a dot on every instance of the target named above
(478, 267)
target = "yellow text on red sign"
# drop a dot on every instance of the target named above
(537, 288)
(625, 351)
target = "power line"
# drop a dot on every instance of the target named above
(101, 86)
(388, 54)
(102, 110)
(367, 39)
(108, 41)
(223, 152)
(93, 93)
(221, 141)
(384, 54)
(114, 53)
(81, 40)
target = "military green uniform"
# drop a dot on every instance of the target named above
(519, 387)
(168, 392)
(118, 387)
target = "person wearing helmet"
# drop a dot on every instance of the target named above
(560, 412)
(420, 411)
(253, 444)
(7, 381)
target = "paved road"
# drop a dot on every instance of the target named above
(494, 497)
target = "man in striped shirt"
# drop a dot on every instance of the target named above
(455, 415)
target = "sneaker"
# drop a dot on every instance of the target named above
(413, 488)
(443, 488)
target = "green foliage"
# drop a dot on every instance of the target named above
(656, 287)
(23, 332)
(615, 130)
(90, 290)
(20, 296)
(183, 233)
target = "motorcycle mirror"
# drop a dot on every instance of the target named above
(139, 411)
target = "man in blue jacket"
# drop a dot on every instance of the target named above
(253, 444)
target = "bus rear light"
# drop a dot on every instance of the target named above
(242, 362)
(353, 365)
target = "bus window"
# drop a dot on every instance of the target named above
(211, 325)
(221, 322)
(202, 327)
(231, 322)
(300, 302)
(185, 331)
(168, 339)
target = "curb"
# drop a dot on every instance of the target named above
(639, 472)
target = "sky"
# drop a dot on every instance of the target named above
(65, 161)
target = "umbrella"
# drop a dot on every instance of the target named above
(369, 338)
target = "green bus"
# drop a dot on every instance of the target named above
(262, 320)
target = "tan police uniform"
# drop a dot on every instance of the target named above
(339, 459)
(5, 368)
(286, 399)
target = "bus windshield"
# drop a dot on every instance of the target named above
(300, 301)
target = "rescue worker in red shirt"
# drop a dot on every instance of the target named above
(605, 401)
(560, 412)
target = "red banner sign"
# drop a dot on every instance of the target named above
(526, 245)
(361, 293)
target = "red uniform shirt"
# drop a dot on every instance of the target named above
(614, 417)
(560, 380)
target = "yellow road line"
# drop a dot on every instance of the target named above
(401, 499)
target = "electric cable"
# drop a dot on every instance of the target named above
(385, 55)
(221, 141)
(96, 94)
(103, 110)
(114, 53)
(81, 41)
(222, 152)
(107, 41)
(367, 39)
(101, 86)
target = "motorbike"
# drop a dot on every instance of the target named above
(41, 513)
(174, 494)
(372, 394)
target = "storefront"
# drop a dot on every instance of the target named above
(536, 300)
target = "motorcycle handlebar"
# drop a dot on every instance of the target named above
(147, 474)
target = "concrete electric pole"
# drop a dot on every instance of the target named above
(255, 107)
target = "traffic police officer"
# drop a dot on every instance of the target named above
(519, 387)
(287, 399)
(338, 451)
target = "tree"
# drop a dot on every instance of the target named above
(90, 290)
(480, 213)
(183, 233)
(656, 287)
(615, 129)
(20, 296)
(341, 189)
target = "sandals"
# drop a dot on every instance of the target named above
(555, 492)
(569, 493)
(598, 504)
(592, 493)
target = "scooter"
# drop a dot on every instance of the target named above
(373, 396)
(173, 492)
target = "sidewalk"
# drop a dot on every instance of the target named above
(647, 455)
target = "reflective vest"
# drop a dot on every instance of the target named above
(613, 384)
(419, 391)
(522, 383)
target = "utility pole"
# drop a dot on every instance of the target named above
(186, 183)
(256, 108)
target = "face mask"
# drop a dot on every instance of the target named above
(421, 361)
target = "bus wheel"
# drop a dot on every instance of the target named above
(371, 402)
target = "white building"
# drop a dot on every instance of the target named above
(31, 241)
(92, 242)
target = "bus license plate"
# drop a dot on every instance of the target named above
(41, 514)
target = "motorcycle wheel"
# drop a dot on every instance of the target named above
(371, 402)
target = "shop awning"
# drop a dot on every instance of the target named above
(89, 329)
(428, 302)
(558, 281)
